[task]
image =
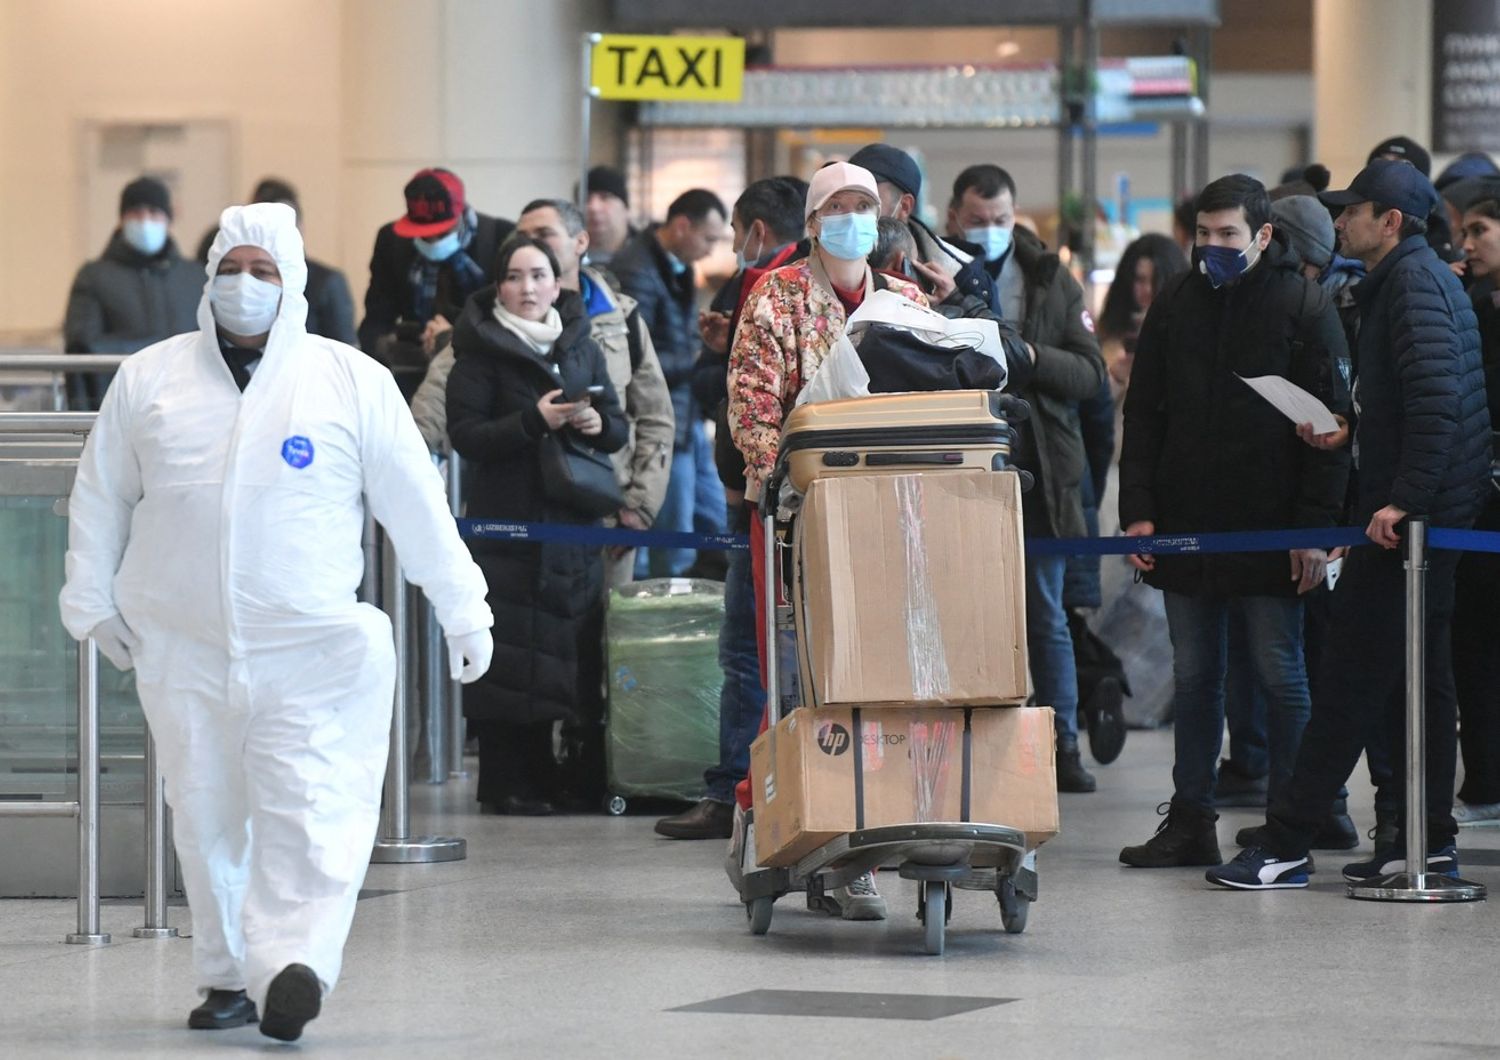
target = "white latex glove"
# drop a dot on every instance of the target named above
(116, 641)
(477, 648)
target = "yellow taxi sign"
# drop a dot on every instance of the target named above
(668, 68)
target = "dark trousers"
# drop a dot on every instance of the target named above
(1363, 670)
(1476, 674)
(514, 760)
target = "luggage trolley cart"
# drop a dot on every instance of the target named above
(943, 431)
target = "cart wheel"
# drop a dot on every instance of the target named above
(614, 805)
(1014, 908)
(758, 911)
(935, 915)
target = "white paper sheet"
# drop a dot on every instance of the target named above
(1293, 402)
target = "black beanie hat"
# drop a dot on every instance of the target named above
(146, 191)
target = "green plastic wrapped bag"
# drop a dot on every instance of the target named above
(664, 679)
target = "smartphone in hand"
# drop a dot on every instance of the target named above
(585, 394)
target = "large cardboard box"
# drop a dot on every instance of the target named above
(911, 590)
(822, 773)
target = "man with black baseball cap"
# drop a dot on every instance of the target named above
(944, 269)
(1421, 449)
(139, 291)
(426, 263)
(1403, 149)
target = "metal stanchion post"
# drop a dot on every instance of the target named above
(435, 696)
(156, 926)
(1416, 884)
(455, 698)
(395, 844)
(88, 933)
(369, 541)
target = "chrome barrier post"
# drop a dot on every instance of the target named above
(369, 543)
(155, 926)
(455, 697)
(395, 844)
(88, 933)
(1416, 884)
(435, 696)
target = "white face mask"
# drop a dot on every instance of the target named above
(244, 305)
(146, 235)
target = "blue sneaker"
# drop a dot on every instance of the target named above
(1444, 862)
(1257, 869)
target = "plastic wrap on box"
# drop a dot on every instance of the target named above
(664, 681)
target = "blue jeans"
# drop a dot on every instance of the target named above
(1049, 645)
(1199, 626)
(679, 510)
(742, 699)
(1244, 706)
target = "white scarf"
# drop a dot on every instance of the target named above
(538, 334)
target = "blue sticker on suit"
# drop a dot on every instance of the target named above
(297, 451)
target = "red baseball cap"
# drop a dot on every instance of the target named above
(434, 203)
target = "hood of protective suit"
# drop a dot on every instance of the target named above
(272, 226)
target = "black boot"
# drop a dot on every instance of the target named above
(1337, 832)
(707, 820)
(1387, 827)
(1236, 787)
(1186, 837)
(1071, 776)
(294, 998)
(222, 1009)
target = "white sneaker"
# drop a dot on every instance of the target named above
(860, 900)
(1470, 814)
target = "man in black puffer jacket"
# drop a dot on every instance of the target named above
(1204, 452)
(1422, 449)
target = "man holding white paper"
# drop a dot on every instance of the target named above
(1421, 444)
(1203, 451)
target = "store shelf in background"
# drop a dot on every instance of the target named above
(954, 96)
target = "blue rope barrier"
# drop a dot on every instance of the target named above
(1159, 545)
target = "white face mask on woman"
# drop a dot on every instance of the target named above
(244, 305)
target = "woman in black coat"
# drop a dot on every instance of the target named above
(519, 348)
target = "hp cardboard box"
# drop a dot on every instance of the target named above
(911, 590)
(831, 771)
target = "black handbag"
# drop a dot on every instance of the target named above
(578, 476)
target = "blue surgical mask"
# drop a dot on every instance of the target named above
(848, 236)
(994, 239)
(144, 234)
(743, 260)
(1222, 264)
(440, 250)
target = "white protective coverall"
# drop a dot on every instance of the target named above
(225, 529)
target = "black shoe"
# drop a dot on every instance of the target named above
(1071, 776)
(707, 820)
(1387, 828)
(295, 997)
(1105, 711)
(222, 1009)
(519, 806)
(1238, 788)
(1337, 832)
(1186, 837)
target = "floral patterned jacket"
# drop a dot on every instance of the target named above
(788, 326)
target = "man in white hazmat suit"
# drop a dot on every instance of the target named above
(214, 544)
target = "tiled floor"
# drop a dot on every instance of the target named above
(588, 936)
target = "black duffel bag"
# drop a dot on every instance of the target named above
(899, 362)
